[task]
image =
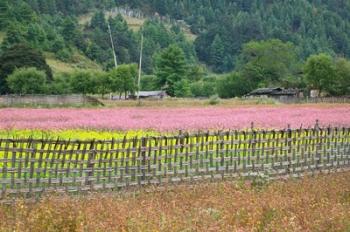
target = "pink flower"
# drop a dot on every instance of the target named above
(167, 119)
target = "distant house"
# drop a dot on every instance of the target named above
(276, 93)
(149, 95)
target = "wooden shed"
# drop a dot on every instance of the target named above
(276, 93)
(149, 95)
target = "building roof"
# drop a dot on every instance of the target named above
(273, 91)
(150, 93)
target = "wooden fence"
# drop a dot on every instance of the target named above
(29, 167)
(315, 100)
(48, 100)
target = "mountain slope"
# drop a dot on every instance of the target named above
(312, 25)
(215, 34)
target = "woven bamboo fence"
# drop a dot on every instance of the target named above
(315, 100)
(48, 100)
(30, 167)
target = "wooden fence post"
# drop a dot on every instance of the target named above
(30, 166)
(289, 144)
(90, 165)
(143, 155)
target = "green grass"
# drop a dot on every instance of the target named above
(134, 23)
(190, 102)
(2, 36)
(79, 61)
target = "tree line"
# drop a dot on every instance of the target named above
(23, 70)
(254, 43)
(221, 28)
(54, 27)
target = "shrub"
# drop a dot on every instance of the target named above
(61, 84)
(233, 85)
(83, 82)
(27, 81)
(182, 88)
(214, 100)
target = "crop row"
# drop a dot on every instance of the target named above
(169, 120)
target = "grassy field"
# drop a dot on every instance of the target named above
(2, 36)
(320, 203)
(190, 102)
(193, 102)
(78, 62)
(133, 23)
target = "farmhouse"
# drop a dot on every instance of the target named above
(149, 95)
(277, 93)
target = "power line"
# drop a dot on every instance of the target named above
(140, 70)
(112, 43)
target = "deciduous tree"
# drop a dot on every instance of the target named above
(27, 81)
(320, 72)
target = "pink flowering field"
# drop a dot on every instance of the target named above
(167, 119)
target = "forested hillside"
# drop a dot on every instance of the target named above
(223, 26)
(224, 32)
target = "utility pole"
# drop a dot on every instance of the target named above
(113, 48)
(112, 43)
(140, 70)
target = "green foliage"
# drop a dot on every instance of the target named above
(64, 55)
(149, 83)
(20, 56)
(265, 41)
(83, 82)
(182, 88)
(157, 36)
(232, 23)
(214, 100)
(27, 81)
(268, 63)
(217, 54)
(171, 68)
(342, 80)
(103, 83)
(61, 84)
(320, 72)
(233, 85)
(203, 88)
(196, 73)
(124, 78)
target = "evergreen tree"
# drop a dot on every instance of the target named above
(171, 68)
(217, 53)
(20, 56)
(342, 80)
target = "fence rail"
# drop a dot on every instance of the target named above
(316, 100)
(31, 167)
(50, 100)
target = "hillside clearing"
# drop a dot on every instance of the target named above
(133, 22)
(79, 62)
(2, 36)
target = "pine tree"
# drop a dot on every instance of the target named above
(217, 53)
(171, 68)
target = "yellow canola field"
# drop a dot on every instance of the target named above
(75, 134)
